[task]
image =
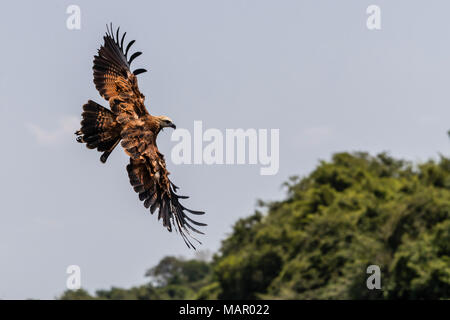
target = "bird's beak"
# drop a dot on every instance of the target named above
(173, 126)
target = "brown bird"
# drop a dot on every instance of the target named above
(129, 122)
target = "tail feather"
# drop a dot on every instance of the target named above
(99, 130)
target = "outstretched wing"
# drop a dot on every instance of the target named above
(149, 178)
(112, 76)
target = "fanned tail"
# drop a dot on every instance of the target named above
(99, 130)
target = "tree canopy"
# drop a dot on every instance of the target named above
(351, 212)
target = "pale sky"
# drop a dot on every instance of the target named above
(309, 68)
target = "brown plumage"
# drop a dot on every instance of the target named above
(129, 122)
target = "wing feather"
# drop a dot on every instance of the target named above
(112, 76)
(152, 184)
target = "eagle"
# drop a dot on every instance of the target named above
(128, 122)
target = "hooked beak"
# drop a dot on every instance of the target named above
(173, 126)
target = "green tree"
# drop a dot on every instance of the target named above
(351, 212)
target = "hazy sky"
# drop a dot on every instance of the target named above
(310, 68)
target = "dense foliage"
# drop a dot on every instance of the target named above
(349, 213)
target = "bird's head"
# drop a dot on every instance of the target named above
(165, 122)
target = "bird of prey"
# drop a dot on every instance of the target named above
(128, 122)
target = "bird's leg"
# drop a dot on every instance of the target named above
(79, 135)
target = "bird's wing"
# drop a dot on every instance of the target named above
(149, 178)
(112, 76)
